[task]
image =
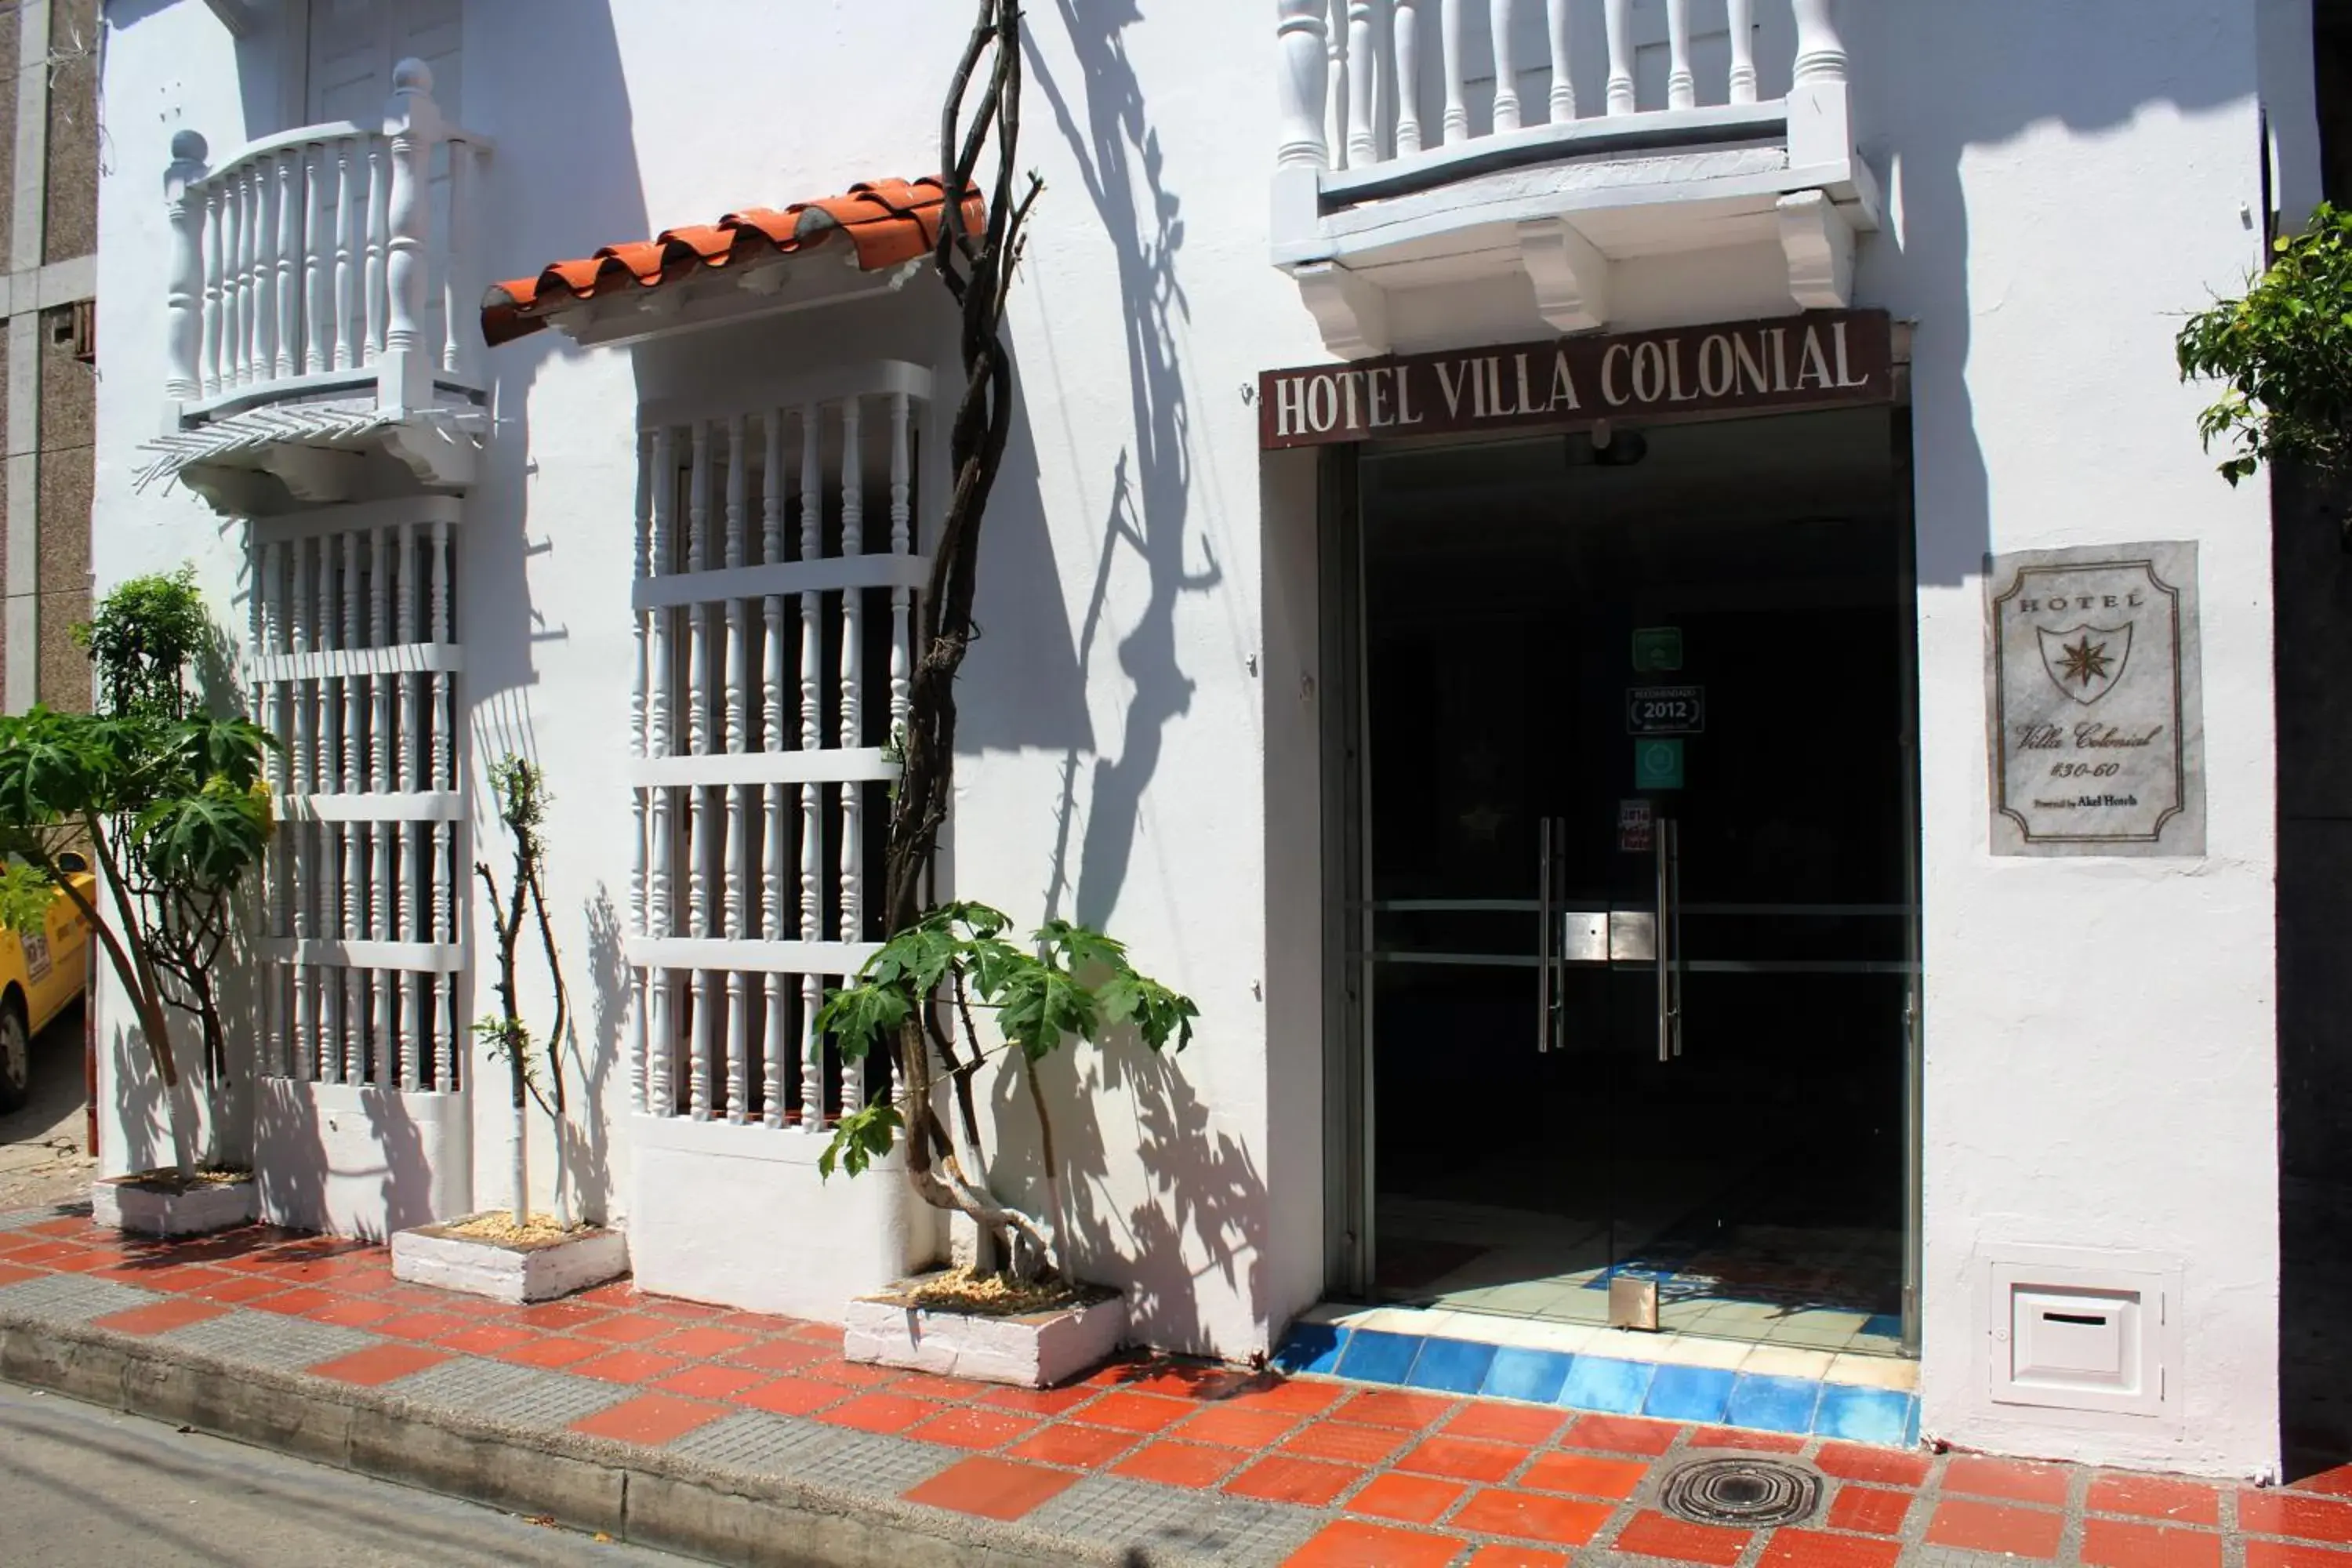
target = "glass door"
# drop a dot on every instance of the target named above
(1635, 960)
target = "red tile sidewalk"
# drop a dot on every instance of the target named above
(1359, 1475)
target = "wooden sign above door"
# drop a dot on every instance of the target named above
(1819, 360)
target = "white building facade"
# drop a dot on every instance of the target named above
(1619, 881)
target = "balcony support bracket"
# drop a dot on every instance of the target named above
(1352, 312)
(1570, 278)
(315, 476)
(1817, 238)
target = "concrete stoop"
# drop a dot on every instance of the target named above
(647, 1497)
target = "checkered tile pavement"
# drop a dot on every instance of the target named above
(1192, 1463)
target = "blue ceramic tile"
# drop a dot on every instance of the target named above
(1884, 1326)
(1773, 1403)
(1375, 1357)
(1527, 1374)
(1455, 1366)
(1863, 1415)
(1911, 1422)
(1311, 1347)
(1689, 1394)
(1605, 1383)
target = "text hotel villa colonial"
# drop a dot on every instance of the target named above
(1623, 592)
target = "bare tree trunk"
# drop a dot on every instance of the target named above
(978, 269)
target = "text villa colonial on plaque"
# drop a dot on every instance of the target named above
(2098, 743)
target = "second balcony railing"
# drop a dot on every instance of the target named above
(1372, 83)
(325, 257)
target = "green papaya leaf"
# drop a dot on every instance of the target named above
(859, 1016)
(860, 1139)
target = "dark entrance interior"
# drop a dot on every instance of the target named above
(1638, 1001)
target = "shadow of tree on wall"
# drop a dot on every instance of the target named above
(1206, 1197)
(1112, 140)
(588, 1152)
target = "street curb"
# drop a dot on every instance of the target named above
(645, 1496)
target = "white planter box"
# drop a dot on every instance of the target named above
(126, 1203)
(508, 1271)
(1036, 1350)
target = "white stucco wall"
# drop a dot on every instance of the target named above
(1140, 713)
(2099, 1032)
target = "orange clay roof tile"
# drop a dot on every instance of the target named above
(888, 222)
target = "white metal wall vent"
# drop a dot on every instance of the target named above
(2082, 1331)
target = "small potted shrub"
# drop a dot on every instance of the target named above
(512, 1254)
(1015, 1314)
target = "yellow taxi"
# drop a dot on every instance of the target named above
(41, 974)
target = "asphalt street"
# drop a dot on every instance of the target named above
(84, 1486)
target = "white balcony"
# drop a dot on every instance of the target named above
(319, 310)
(1429, 143)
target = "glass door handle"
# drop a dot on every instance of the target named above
(1547, 940)
(1674, 891)
(1667, 949)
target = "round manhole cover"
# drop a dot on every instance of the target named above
(1748, 1492)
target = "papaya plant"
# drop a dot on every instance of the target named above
(1070, 983)
(169, 801)
(174, 815)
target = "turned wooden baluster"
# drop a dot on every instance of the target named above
(1363, 88)
(640, 747)
(1682, 87)
(288, 284)
(378, 222)
(1499, 18)
(737, 874)
(1299, 35)
(410, 121)
(662, 1053)
(1616, 15)
(698, 833)
(1563, 105)
(1821, 54)
(1404, 23)
(260, 319)
(777, 1039)
(853, 717)
(1449, 44)
(354, 782)
(318, 265)
(406, 765)
(183, 298)
(234, 283)
(268, 622)
(329, 917)
(456, 342)
(1741, 15)
(812, 1097)
(902, 544)
(350, 341)
(212, 356)
(446, 879)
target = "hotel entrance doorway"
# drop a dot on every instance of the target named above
(1635, 937)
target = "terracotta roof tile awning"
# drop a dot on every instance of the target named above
(888, 222)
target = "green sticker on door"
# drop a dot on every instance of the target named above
(1657, 764)
(1658, 647)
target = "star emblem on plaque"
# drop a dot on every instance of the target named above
(2098, 743)
(2086, 661)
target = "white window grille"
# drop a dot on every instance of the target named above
(355, 668)
(776, 573)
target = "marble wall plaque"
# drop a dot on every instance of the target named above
(2098, 743)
